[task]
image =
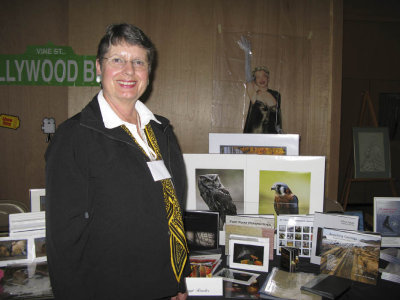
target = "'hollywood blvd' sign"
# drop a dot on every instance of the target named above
(48, 65)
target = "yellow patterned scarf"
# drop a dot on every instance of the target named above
(178, 245)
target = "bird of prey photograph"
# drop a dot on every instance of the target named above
(220, 191)
(285, 202)
(284, 192)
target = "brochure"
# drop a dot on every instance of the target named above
(336, 221)
(295, 231)
(350, 254)
(257, 226)
(387, 220)
(204, 265)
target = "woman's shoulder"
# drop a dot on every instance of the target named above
(274, 93)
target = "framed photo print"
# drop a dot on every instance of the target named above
(249, 254)
(371, 152)
(242, 143)
(284, 184)
(387, 220)
(13, 251)
(213, 179)
(255, 184)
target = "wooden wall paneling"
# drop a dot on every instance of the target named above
(24, 23)
(182, 89)
(332, 182)
(188, 87)
(300, 45)
(87, 24)
(182, 85)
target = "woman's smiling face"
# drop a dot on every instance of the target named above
(123, 83)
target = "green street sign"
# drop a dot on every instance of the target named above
(48, 65)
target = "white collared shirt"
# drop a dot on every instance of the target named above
(111, 120)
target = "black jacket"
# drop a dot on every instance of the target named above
(107, 234)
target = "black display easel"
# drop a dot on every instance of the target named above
(366, 104)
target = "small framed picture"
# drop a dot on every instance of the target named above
(371, 152)
(23, 247)
(249, 254)
(387, 220)
(236, 276)
(13, 251)
(38, 197)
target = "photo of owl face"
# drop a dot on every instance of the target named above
(220, 190)
(216, 196)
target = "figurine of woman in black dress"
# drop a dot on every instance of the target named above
(264, 112)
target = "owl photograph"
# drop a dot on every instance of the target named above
(282, 192)
(220, 190)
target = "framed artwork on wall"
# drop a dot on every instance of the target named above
(371, 152)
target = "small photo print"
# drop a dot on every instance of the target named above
(13, 249)
(40, 246)
(249, 255)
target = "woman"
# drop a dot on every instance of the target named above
(114, 225)
(264, 112)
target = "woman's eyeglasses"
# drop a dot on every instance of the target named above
(120, 63)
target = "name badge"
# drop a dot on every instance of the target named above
(158, 170)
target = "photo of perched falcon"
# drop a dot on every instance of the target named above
(285, 201)
(216, 196)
